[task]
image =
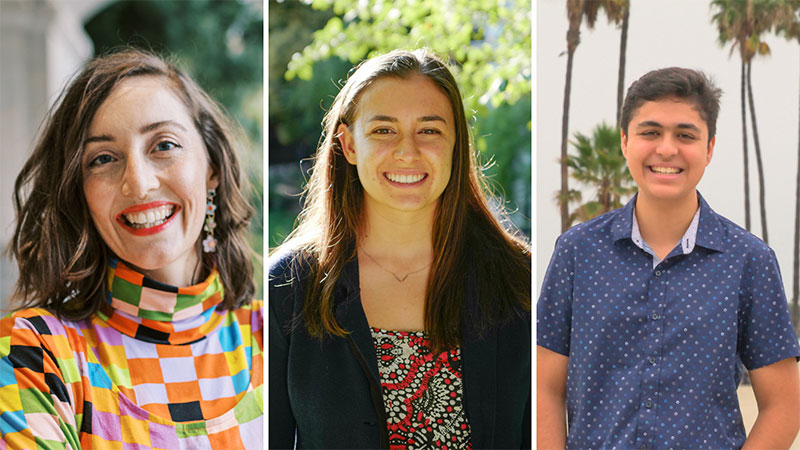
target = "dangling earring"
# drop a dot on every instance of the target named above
(210, 243)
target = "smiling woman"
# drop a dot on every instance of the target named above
(400, 305)
(140, 328)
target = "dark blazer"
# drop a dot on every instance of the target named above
(327, 394)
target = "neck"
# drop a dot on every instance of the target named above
(397, 234)
(662, 223)
(179, 275)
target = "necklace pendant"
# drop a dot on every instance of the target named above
(400, 279)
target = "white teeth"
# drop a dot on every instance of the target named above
(150, 218)
(405, 179)
(665, 170)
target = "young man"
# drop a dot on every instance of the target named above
(646, 312)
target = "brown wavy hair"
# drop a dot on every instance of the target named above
(61, 256)
(466, 232)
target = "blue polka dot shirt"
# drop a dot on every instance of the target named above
(656, 347)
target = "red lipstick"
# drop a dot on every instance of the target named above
(143, 207)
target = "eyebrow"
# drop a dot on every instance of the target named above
(681, 126)
(145, 129)
(383, 118)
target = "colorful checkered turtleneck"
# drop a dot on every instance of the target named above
(158, 367)
(159, 313)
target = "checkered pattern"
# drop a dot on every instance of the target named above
(119, 380)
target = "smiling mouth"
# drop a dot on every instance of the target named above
(148, 218)
(665, 170)
(405, 178)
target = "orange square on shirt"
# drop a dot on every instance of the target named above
(173, 351)
(145, 370)
(186, 391)
(229, 438)
(211, 366)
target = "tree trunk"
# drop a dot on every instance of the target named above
(796, 267)
(759, 165)
(573, 39)
(623, 45)
(744, 146)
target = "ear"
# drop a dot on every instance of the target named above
(623, 143)
(213, 178)
(710, 151)
(346, 142)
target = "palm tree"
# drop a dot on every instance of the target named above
(576, 11)
(618, 12)
(599, 164)
(788, 24)
(743, 22)
(575, 16)
(733, 25)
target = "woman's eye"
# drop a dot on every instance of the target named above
(430, 131)
(164, 146)
(382, 131)
(101, 160)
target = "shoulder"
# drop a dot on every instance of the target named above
(745, 245)
(591, 232)
(286, 266)
(28, 334)
(288, 269)
(38, 321)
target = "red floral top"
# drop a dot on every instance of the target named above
(422, 392)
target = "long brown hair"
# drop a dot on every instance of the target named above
(61, 256)
(326, 235)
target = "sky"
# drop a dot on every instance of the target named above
(664, 34)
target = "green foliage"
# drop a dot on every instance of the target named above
(600, 165)
(489, 40)
(743, 22)
(504, 142)
(296, 108)
(219, 43)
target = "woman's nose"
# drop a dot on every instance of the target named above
(139, 178)
(406, 150)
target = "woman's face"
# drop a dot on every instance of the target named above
(401, 142)
(145, 177)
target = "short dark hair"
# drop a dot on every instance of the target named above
(61, 256)
(690, 85)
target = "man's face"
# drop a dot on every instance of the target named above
(667, 149)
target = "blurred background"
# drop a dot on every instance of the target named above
(43, 43)
(313, 45)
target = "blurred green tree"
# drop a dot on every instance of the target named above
(489, 39)
(600, 166)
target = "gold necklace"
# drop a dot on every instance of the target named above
(394, 274)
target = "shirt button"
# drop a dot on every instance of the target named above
(643, 447)
(648, 404)
(658, 273)
(652, 359)
(655, 316)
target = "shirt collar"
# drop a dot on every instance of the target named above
(686, 244)
(709, 234)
